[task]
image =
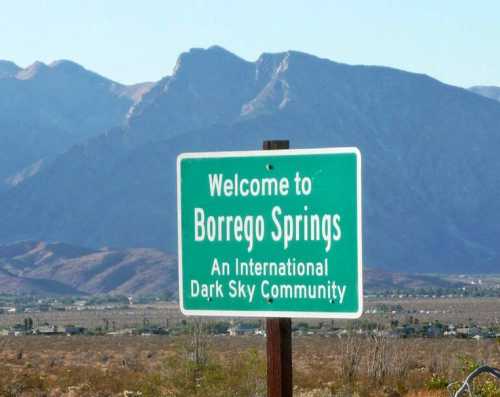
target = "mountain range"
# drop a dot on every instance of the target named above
(45, 109)
(431, 174)
(42, 268)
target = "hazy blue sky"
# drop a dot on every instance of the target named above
(457, 42)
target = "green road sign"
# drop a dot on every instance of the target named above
(270, 233)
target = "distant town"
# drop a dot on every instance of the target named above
(470, 312)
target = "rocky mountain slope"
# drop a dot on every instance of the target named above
(45, 109)
(36, 267)
(431, 170)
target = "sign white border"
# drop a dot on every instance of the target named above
(270, 314)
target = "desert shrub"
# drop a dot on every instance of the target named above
(437, 382)
(378, 360)
(488, 388)
(240, 374)
(483, 386)
(351, 359)
(152, 385)
(468, 364)
(25, 384)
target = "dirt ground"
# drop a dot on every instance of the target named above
(156, 365)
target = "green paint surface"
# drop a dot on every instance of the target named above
(334, 191)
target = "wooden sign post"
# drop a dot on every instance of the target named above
(279, 357)
(279, 335)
